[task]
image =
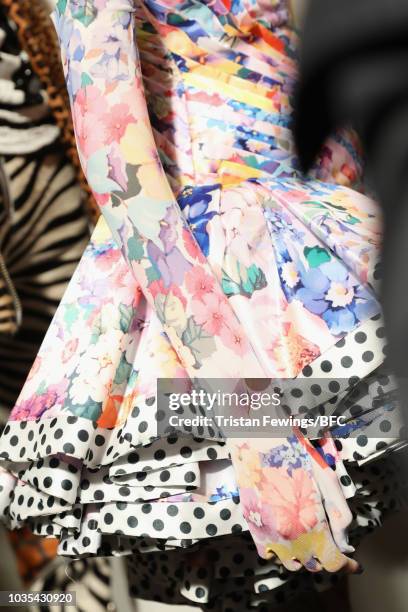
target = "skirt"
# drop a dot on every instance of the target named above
(83, 459)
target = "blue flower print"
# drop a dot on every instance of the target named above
(291, 456)
(194, 202)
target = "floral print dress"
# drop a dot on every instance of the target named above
(214, 258)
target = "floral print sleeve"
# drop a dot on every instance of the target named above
(286, 489)
(120, 159)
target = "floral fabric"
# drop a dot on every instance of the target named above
(214, 259)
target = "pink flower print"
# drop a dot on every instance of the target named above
(235, 339)
(90, 100)
(56, 394)
(21, 411)
(157, 288)
(212, 313)
(116, 122)
(89, 132)
(258, 515)
(89, 109)
(36, 405)
(107, 259)
(198, 282)
(192, 246)
(69, 349)
(102, 199)
(293, 500)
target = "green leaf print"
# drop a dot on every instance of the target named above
(322, 205)
(122, 371)
(316, 256)
(174, 19)
(256, 279)
(148, 225)
(135, 248)
(170, 311)
(70, 315)
(335, 206)
(152, 274)
(85, 14)
(126, 316)
(329, 209)
(159, 304)
(252, 161)
(96, 334)
(244, 73)
(270, 203)
(61, 6)
(132, 377)
(90, 410)
(243, 281)
(133, 186)
(86, 80)
(116, 200)
(42, 387)
(200, 343)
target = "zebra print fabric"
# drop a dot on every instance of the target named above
(41, 240)
(43, 233)
(88, 579)
(43, 225)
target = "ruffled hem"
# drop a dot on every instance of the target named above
(122, 489)
(95, 490)
(215, 573)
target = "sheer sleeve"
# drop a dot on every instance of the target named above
(120, 160)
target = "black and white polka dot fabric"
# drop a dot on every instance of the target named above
(171, 507)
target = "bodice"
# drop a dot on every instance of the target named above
(219, 79)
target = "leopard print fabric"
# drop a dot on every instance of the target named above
(38, 39)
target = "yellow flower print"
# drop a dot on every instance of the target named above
(247, 466)
(314, 544)
(136, 144)
(153, 181)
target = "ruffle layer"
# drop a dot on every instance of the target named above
(89, 486)
(219, 572)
